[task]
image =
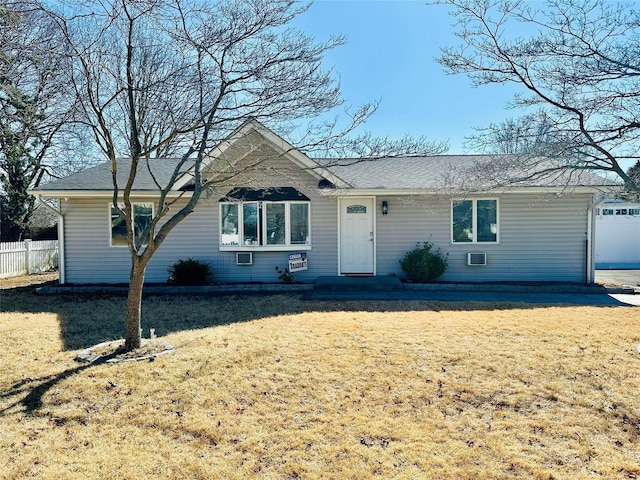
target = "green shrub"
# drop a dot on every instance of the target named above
(423, 264)
(189, 272)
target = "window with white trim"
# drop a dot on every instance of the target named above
(474, 221)
(142, 216)
(277, 221)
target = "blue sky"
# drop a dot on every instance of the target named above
(390, 56)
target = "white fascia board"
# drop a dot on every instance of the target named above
(560, 190)
(45, 204)
(347, 192)
(101, 193)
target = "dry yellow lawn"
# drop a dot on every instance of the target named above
(275, 387)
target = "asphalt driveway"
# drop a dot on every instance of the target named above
(603, 277)
(545, 298)
(618, 277)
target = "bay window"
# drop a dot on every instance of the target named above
(265, 219)
(474, 221)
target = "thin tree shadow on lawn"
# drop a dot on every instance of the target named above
(88, 319)
(36, 388)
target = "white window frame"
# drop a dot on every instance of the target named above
(121, 205)
(262, 206)
(287, 225)
(474, 222)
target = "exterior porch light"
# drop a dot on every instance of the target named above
(385, 207)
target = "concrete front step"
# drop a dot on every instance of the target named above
(382, 283)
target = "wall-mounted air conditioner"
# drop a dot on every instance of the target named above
(476, 259)
(244, 258)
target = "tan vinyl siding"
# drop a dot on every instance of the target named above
(539, 239)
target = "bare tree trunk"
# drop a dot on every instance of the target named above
(134, 302)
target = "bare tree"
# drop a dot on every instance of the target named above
(578, 64)
(177, 77)
(634, 172)
(527, 134)
(35, 110)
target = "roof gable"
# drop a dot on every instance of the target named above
(227, 157)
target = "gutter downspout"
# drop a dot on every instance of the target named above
(591, 237)
(61, 249)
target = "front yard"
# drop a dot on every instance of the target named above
(276, 387)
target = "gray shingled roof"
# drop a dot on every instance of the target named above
(99, 178)
(470, 172)
(459, 172)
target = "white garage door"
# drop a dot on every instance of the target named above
(617, 236)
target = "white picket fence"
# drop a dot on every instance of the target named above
(22, 258)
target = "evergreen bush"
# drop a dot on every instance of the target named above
(189, 272)
(424, 264)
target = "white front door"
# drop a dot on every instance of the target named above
(356, 236)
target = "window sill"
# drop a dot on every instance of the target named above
(473, 243)
(261, 248)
